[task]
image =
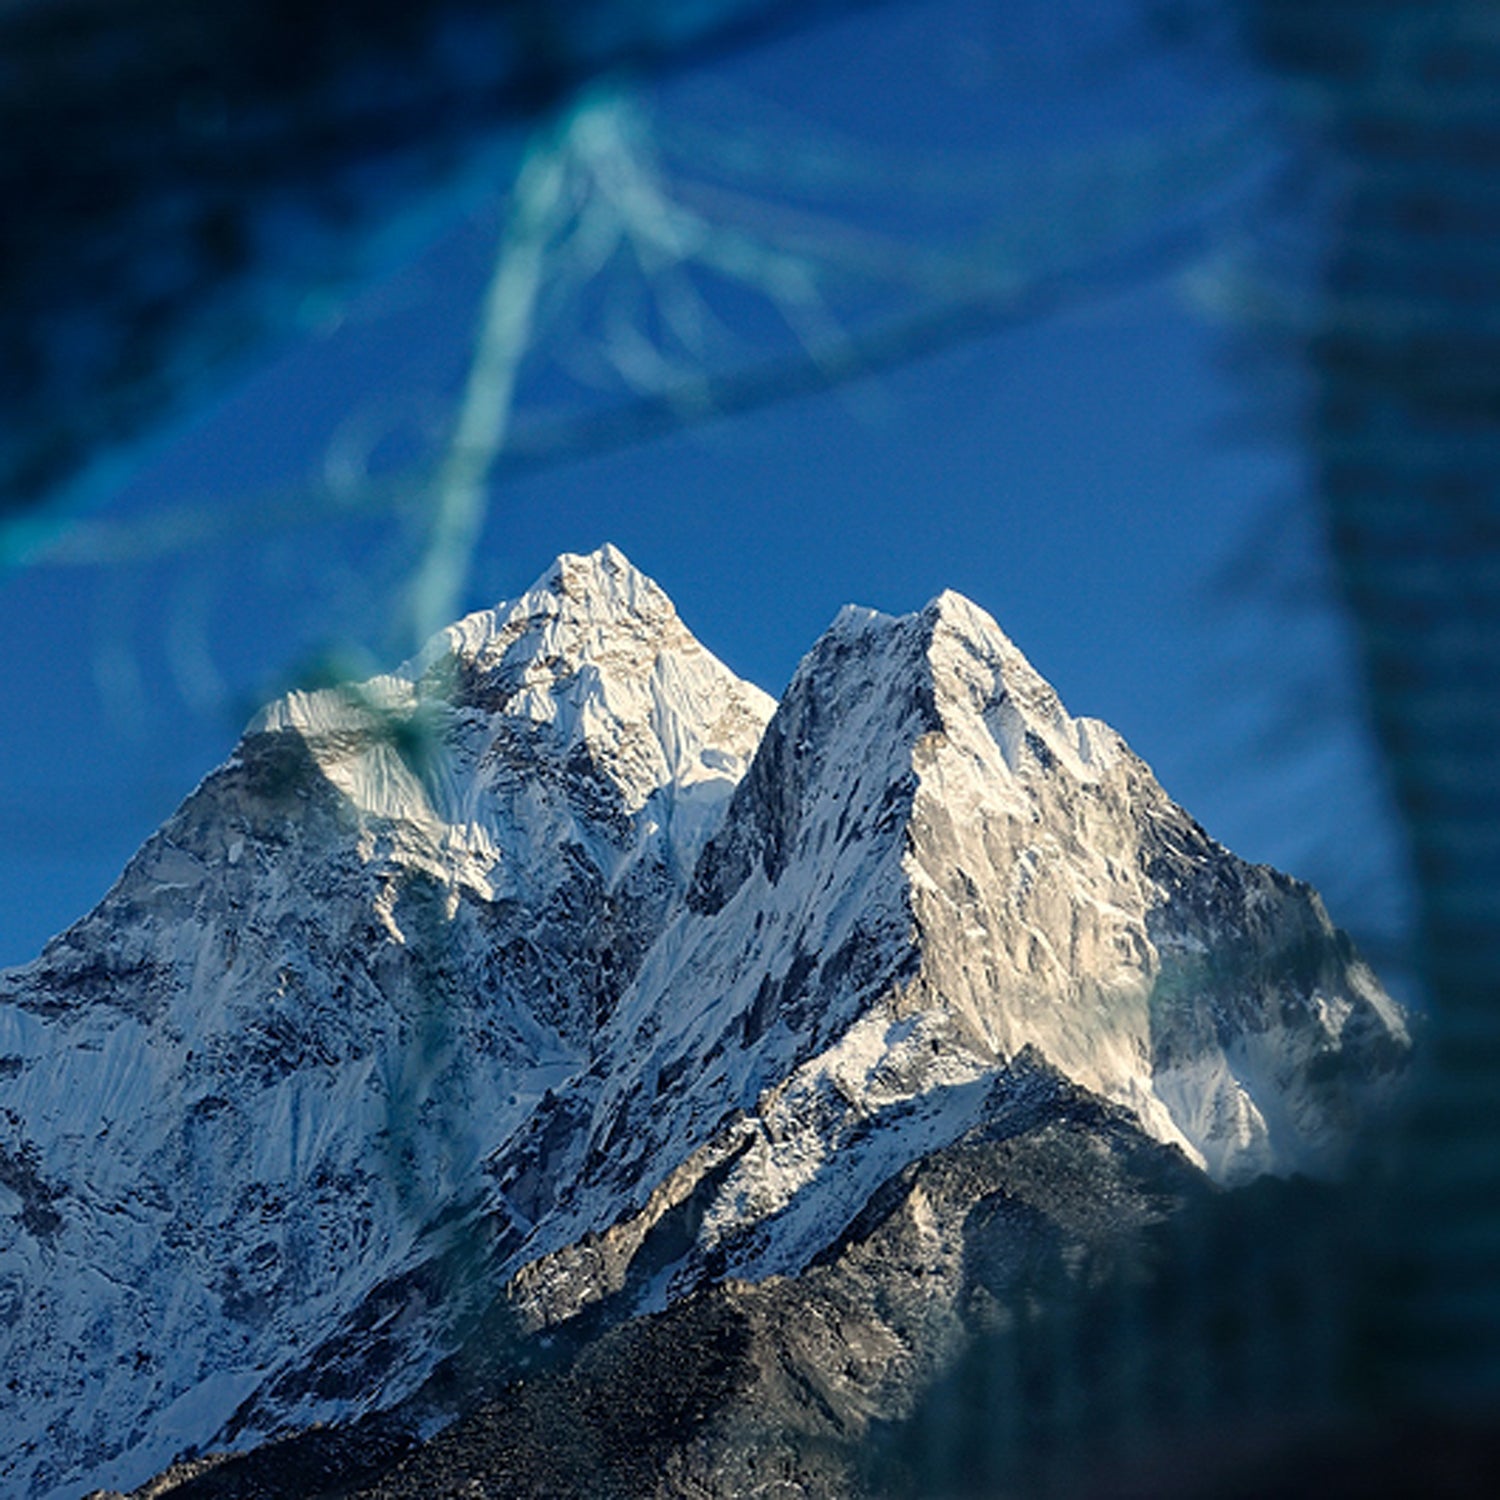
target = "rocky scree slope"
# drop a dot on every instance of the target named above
(785, 1385)
(555, 968)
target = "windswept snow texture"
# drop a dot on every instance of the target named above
(555, 957)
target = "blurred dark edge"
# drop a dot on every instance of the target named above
(184, 180)
(1401, 102)
(1395, 105)
(1329, 1340)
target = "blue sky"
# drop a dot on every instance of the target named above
(1086, 477)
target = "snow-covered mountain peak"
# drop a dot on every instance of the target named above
(982, 682)
(604, 580)
(549, 935)
(857, 619)
(592, 661)
(1033, 886)
(583, 589)
(575, 603)
(595, 652)
(973, 680)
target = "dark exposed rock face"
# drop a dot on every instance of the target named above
(780, 1386)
